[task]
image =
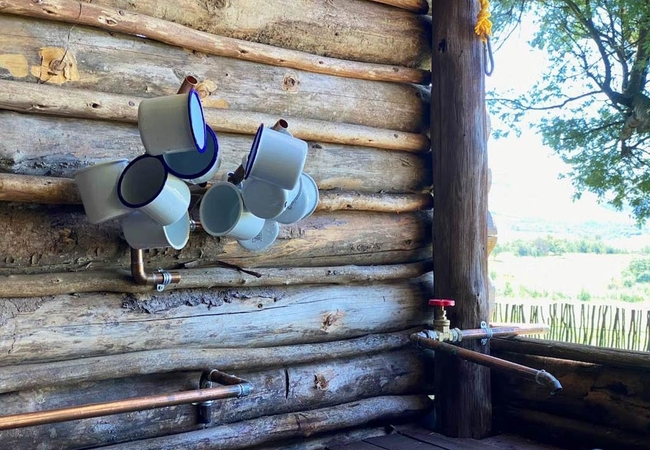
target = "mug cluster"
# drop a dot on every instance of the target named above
(150, 194)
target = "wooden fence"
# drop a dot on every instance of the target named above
(616, 326)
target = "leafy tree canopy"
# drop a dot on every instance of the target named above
(594, 97)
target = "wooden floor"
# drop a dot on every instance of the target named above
(420, 439)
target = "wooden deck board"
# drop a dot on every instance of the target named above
(421, 439)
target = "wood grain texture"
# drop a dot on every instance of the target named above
(44, 284)
(347, 29)
(82, 104)
(280, 390)
(326, 440)
(417, 6)
(98, 61)
(231, 360)
(463, 401)
(568, 433)
(63, 146)
(68, 327)
(601, 395)
(63, 191)
(305, 424)
(607, 357)
(122, 21)
(54, 239)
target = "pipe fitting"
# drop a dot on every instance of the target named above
(160, 279)
(546, 379)
(189, 83)
(216, 376)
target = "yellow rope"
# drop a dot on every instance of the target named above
(483, 26)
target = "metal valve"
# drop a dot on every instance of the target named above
(440, 322)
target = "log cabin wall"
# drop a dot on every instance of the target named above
(318, 323)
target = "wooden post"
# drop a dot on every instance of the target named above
(458, 136)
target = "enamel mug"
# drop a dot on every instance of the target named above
(192, 166)
(276, 158)
(264, 238)
(146, 185)
(304, 204)
(97, 186)
(141, 231)
(267, 200)
(173, 123)
(222, 213)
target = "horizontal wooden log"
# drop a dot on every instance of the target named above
(602, 395)
(63, 191)
(607, 357)
(192, 359)
(82, 104)
(55, 239)
(94, 60)
(291, 389)
(44, 284)
(569, 433)
(417, 6)
(326, 440)
(354, 201)
(62, 146)
(306, 424)
(122, 21)
(68, 327)
(347, 29)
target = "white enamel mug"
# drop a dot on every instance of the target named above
(276, 158)
(146, 185)
(141, 231)
(97, 186)
(304, 204)
(222, 213)
(267, 200)
(264, 238)
(173, 123)
(192, 166)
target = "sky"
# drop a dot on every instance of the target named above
(525, 173)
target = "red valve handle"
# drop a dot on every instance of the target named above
(441, 302)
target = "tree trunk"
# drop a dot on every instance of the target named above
(600, 395)
(55, 239)
(625, 359)
(568, 433)
(121, 21)
(51, 151)
(63, 191)
(82, 104)
(95, 61)
(230, 360)
(45, 284)
(67, 327)
(291, 389)
(304, 424)
(460, 219)
(346, 29)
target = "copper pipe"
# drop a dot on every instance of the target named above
(140, 276)
(280, 125)
(503, 331)
(539, 376)
(243, 388)
(188, 84)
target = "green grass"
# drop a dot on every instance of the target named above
(613, 277)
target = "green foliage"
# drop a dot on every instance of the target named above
(631, 298)
(637, 272)
(550, 245)
(592, 106)
(508, 291)
(584, 295)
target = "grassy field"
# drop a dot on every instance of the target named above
(572, 276)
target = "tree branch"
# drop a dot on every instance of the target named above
(519, 105)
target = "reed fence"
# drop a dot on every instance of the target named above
(615, 326)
